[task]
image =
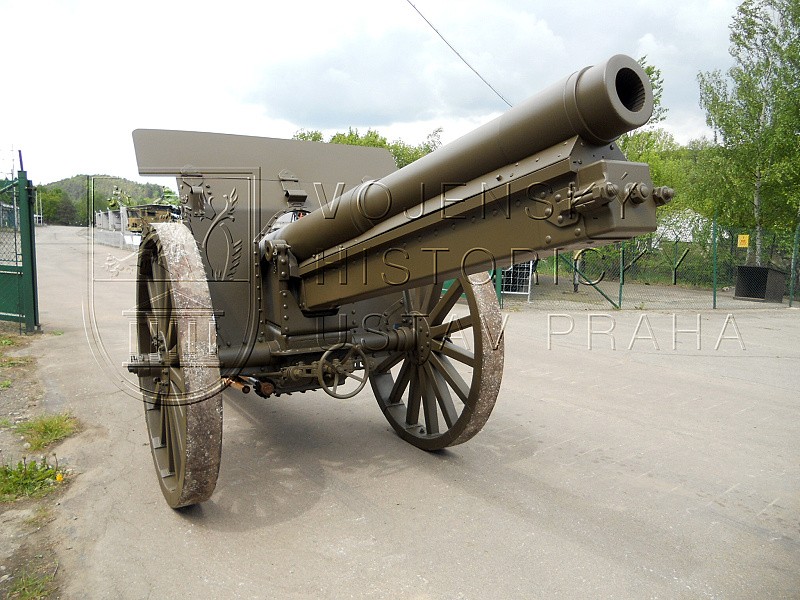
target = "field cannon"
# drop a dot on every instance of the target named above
(302, 266)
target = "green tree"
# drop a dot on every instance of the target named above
(51, 199)
(670, 163)
(750, 109)
(309, 136)
(168, 196)
(402, 152)
(638, 143)
(66, 213)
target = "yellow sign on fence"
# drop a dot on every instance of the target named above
(744, 241)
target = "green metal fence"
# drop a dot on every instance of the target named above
(18, 295)
(669, 269)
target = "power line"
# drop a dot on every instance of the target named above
(464, 60)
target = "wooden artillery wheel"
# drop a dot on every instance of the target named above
(183, 404)
(441, 393)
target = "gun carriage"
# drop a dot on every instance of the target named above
(301, 266)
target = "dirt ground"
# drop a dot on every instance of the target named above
(631, 454)
(25, 544)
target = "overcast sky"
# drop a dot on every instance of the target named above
(81, 75)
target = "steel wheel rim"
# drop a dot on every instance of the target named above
(183, 409)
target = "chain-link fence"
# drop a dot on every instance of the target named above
(10, 243)
(10, 251)
(18, 298)
(665, 270)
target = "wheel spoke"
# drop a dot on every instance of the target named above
(451, 327)
(388, 362)
(402, 381)
(446, 303)
(414, 397)
(442, 395)
(162, 420)
(430, 295)
(428, 403)
(454, 351)
(407, 302)
(169, 440)
(154, 295)
(177, 443)
(157, 289)
(179, 412)
(451, 376)
(176, 382)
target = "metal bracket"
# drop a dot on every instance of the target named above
(295, 196)
(284, 264)
(594, 196)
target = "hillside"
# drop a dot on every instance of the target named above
(64, 202)
(75, 188)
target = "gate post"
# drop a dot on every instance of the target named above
(30, 303)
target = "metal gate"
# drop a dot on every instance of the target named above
(18, 295)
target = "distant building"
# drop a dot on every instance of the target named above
(129, 220)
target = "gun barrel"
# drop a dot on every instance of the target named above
(597, 103)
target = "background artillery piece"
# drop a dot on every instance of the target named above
(303, 266)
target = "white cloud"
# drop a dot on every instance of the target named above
(94, 71)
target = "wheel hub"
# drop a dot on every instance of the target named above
(421, 331)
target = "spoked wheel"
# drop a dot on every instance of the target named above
(332, 372)
(441, 392)
(181, 389)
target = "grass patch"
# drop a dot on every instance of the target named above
(14, 361)
(30, 586)
(28, 480)
(44, 430)
(5, 384)
(6, 341)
